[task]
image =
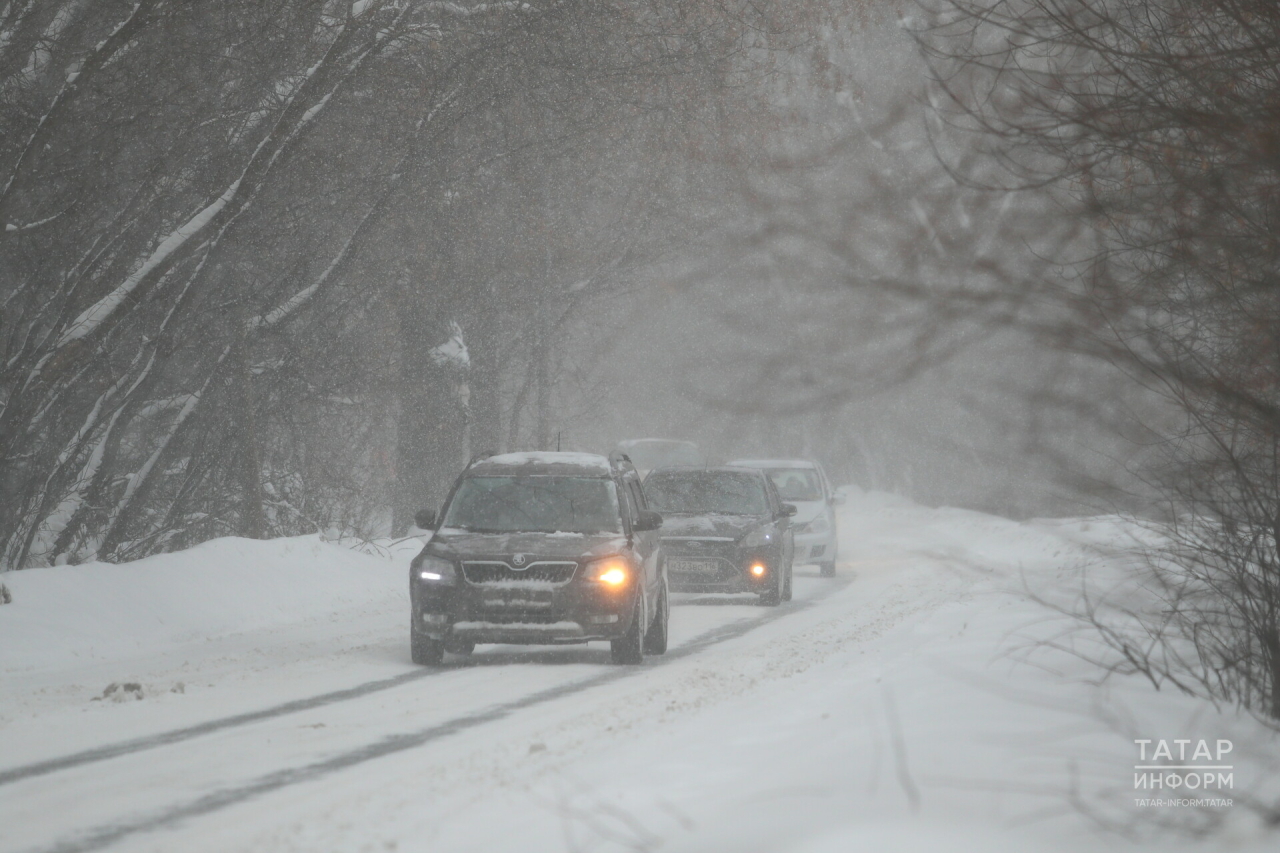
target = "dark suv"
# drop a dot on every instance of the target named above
(541, 548)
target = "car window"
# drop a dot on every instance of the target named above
(637, 495)
(545, 504)
(707, 491)
(628, 499)
(797, 484)
(775, 500)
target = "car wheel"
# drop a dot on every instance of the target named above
(828, 569)
(629, 648)
(655, 639)
(772, 596)
(424, 650)
(786, 583)
(459, 647)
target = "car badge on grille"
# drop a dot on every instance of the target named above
(518, 561)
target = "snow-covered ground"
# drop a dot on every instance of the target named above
(264, 701)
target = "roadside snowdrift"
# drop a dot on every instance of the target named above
(70, 615)
(910, 704)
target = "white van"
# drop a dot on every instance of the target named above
(805, 484)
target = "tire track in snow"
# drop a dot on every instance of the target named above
(103, 836)
(128, 747)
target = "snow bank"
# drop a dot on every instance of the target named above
(66, 615)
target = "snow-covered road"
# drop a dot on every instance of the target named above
(875, 709)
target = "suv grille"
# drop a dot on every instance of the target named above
(496, 572)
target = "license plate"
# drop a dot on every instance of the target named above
(699, 567)
(516, 602)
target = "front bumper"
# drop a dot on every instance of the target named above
(523, 614)
(731, 570)
(815, 547)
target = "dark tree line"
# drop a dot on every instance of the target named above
(268, 267)
(1156, 124)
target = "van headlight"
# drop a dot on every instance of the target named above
(436, 571)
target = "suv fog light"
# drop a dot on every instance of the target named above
(604, 620)
(435, 618)
(758, 570)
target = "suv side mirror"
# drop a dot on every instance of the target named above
(647, 519)
(425, 518)
(789, 510)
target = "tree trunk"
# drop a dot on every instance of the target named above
(253, 524)
(432, 419)
(485, 381)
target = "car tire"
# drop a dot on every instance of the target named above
(424, 650)
(828, 569)
(655, 639)
(629, 648)
(459, 647)
(786, 582)
(772, 596)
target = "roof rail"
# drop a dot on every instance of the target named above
(482, 455)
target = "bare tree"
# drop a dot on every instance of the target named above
(226, 238)
(1154, 124)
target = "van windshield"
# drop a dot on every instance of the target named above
(796, 484)
(541, 504)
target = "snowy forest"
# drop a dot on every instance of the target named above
(267, 263)
(281, 268)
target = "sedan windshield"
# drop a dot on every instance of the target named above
(727, 492)
(542, 504)
(796, 484)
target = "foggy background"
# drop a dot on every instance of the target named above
(755, 344)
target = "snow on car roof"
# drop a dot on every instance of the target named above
(633, 442)
(773, 463)
(550, 457)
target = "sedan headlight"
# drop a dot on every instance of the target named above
(821, 524)
(757, 538)
(436, 570)
(612, 572)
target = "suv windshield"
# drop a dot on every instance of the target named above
(542, 504)
(796, 484)
(728, 492)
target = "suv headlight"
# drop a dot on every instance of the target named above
(612, 572)
(821, 524)
(756, 538)
(436, 570)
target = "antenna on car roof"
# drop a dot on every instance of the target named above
(557, 441)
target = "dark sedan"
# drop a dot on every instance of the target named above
(724, 530)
